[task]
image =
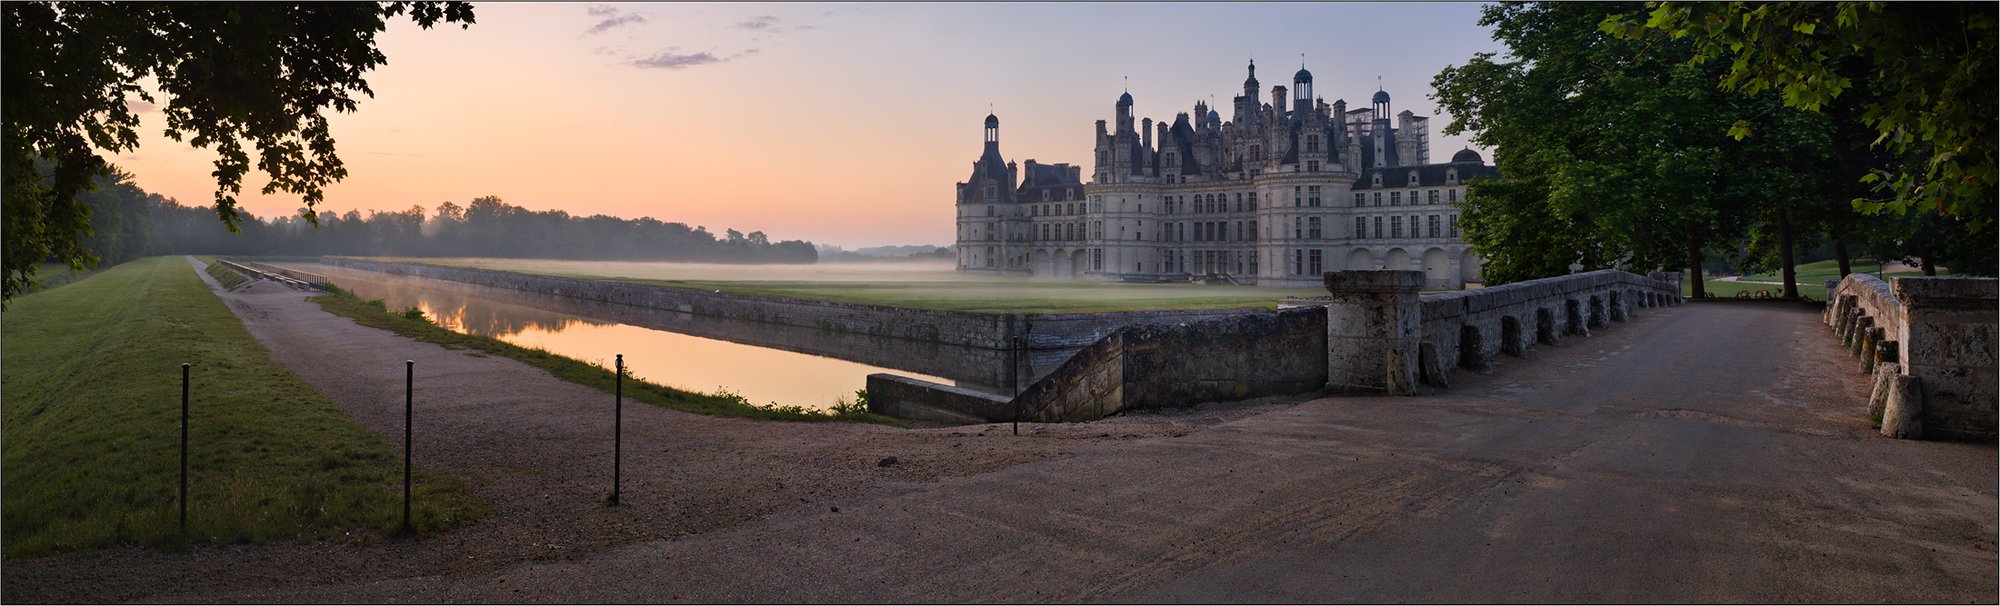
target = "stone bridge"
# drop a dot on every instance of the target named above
(1377, 334)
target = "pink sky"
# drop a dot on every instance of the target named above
(840, 124)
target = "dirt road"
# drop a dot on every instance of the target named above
(1699, 453)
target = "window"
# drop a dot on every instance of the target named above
(1312, 196)
(1256, 153)
(1395, 227)
(1298, 261)
(989, 210)
(1433, 198)
(1360, 227)
(1451, 175)
(989, 256)
(1376, 180)
(1312, 166)
(1313, 229)
(1312, 144)
(1413, 178)
(1097, 258)
(1452, 195)
(1360, 200)
(1378, 227)
(1437, 229)
(1452, 222)
(1097, 230)
(1298, 227)
(1378, 198)
(1298, 196)
(1395, 198)
(1045, 195)
(1313, 262)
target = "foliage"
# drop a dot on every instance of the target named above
(413, 313)
(1612, 153)
(1932, 62)
(721, 404)
(89, 429)
(230, 75)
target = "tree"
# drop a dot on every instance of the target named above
(231, 75)
(1933, 64)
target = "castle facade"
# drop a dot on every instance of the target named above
(1277, 195)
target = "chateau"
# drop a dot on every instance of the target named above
(1280, 193)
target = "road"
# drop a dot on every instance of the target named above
(1704, 453)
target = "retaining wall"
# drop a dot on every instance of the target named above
(992, 331)
(1929, 343)
(1146, 366)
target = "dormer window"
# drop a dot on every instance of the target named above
(1413, 177)
(1451, 175)
(1045, 195)
(1377, 181)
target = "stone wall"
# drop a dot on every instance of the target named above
(1929, 344)
(1383, 337)
(1468, 328)
(1152, 365)
(912, 399)
(992, 331)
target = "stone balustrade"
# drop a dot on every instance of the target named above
(1929, 345)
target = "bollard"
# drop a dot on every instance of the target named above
(409, 404)
(184, 446)
(617, 428)
(1013, 370)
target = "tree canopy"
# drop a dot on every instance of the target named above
(232, 77)
(1933, 64)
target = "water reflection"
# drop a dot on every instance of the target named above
(763, 362)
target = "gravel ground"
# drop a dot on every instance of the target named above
(1704, 453)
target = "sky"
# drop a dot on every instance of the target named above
(844, 124)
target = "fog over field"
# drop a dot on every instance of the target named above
(920, 284)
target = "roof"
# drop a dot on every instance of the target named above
(1467, 155)
(1381, 96)
(1302, 76)
(1428, 175)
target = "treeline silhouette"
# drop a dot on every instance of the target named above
(128, 222)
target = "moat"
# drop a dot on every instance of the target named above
(765, 363)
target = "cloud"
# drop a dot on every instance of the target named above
(614, 22)
(669, 59)
(602, 10)
(140, 106)
(759, 22)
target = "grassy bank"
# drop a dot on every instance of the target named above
(91, 423)
(1811, 278)
(411, 324)
(919, 286)
(229, 278)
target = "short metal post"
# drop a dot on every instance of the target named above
(617, 429)
(409, 405)
(184, 446)
(1014, 370)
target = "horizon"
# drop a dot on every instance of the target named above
(746, 116)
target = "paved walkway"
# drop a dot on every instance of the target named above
(1712, 453)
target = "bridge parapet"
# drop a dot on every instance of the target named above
(1466, 329)
(1929, 342)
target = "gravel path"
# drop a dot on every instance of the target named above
(1710, 453)
(538, 449)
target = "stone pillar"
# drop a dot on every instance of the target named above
(1947, 340)
(1373, 327)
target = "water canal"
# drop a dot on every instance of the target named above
(763, 362)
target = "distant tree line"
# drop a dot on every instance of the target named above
(127, 222)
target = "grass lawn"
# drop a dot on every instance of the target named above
(374, 314)
(916, 285)
(1812, 279)
(90, 426)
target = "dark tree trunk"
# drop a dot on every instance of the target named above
(1930, 269)
(1840, 253)
(1694, 263)
(1785, 254)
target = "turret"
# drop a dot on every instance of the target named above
(992, 132)
(1302, 84)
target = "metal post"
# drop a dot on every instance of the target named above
(1014, 371)
(617, 429)
(409, 405)
(184, 446)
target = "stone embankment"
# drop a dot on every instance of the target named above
(1375, 334)
(1929, 343)
(992, 331)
